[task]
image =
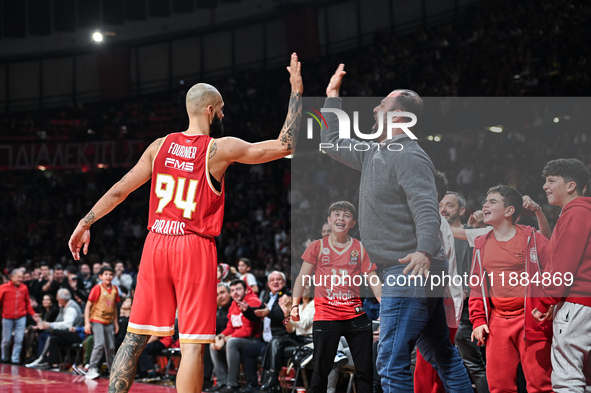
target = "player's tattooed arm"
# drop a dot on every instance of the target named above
(291, 127)
(125, 363)
(89, 219)
(213, 150)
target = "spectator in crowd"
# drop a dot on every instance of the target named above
(100, 319)
(224, 301)
(85, 277)
(244, 266)
(15, 304)
(79, 293)
(500, 311)
(570, 256)
(452, 207)
(239, 332)
(39, 283)
(48, 311)
(271, 315)
(338, 309)
(122, 280)
(123, 320)
(70, 315)
(56, 281)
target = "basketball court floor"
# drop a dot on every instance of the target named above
(19, 379)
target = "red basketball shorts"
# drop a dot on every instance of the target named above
(176, 272)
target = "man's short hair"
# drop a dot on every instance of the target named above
(408, 101)
(225, 285)
(441, 184)
(246, 261)
(278, 272)
(64, 294)
(511, 197)
(570, 169)
(105, 269)
(238, 282)
(459, 197)
(343, 206)
(15, 270)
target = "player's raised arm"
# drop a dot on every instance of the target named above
(138, 175)
(227, 150)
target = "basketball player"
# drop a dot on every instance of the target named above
(178, 265)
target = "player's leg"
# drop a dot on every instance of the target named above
(190, 375)
(193, 267)
(125, 362)
(152, 312)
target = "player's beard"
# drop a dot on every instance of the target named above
(216, 128)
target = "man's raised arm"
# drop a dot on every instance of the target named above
(329, 136)
(225, 151)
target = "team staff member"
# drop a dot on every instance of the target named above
(187, 198)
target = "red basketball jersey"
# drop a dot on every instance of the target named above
(337, 277)
(182, 198)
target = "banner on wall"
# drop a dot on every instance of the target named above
(75, 155)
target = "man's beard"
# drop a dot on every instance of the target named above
(216, 128)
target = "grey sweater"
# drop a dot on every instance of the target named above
(398, 210)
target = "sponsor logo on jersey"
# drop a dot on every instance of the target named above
(325, 260)
(325, 251)
(354, 256)
(180, 165)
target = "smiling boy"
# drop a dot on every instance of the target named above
(500, 305)
(569, 256)
(338, 259)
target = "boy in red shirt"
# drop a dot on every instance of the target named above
(337, 264)
(100, 319)
(570, 274)
(506, 279)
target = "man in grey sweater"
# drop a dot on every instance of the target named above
(399, 226)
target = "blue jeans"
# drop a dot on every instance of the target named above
(413, 315)
(8, 326)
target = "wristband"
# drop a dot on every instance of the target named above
(427, 255)
(297, 305)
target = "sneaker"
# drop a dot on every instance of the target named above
(248, 389)
(42, 366)
(92, 374)
(35, 362)
(340, 359)
(79, 370)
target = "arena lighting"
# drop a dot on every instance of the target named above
(97, 36)
(556, 120)
(437, 138)
(42, 168)
(100, 37)
(430, 137)
(496, 129)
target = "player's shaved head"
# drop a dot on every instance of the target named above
(200, 96)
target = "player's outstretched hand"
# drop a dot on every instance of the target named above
(79, 240)
(295, 74)
(334, 85)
